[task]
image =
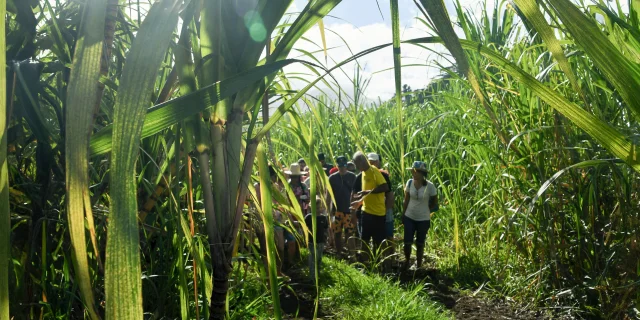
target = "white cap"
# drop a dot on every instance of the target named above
(373, 157)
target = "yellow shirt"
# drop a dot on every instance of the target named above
(374, 202)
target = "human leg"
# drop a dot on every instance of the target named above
(367, 234)
(422, 227)
(290, 247)
(350, 233)
(409, 231)
(315, 252)
(389, 249)
(378, 234)
(337, 231)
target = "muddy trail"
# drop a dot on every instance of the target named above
(297, 298)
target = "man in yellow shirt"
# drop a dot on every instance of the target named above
(372, 198)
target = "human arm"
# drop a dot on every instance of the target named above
(433, 202)
(379, 189)
(405, 203)
(433, 196)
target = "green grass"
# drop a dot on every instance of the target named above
(350, 294)
(345, 293)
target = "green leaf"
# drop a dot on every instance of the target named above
(268, 223)
(442, 24)
(607, 136)
(82, 94)
(123, 283)
(623, 74)
(5, 215)
(162, 116)
(532, 13)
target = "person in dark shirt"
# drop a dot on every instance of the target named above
(341, 185)
(325, 166)
(315, 251)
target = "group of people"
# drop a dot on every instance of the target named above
(360, 202)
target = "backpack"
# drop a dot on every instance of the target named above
(437, 207)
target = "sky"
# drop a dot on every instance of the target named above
(362, 25)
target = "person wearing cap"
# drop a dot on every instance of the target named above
(341, 184)
(301, 193)
(372, 200)
(420, 198)
(325, 166)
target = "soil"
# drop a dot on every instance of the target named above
(463, 304)
(297, 299)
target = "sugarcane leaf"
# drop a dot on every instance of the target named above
(162, 116)
(123, 284)
(604, 133)
(530, 10)
(623, 74)
(81, 96)
(550, 181)
(266, 212)
(5, 214)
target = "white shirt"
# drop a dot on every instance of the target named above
(418, 208)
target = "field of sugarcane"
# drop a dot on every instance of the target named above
(133, 134)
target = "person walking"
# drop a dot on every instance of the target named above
(420, 198)
(341, 184)
(372, 200)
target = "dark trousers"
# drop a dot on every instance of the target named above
(373, 227)
(415, 230)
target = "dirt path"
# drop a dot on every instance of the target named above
(465, 306)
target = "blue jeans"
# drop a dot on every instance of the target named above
(415, 229)
(312, 254)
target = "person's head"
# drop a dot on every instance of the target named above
(351, 167)
(295, 173)
(302, 164)
(321, 158)
(374, 159)
(419, 170)
(360, 160)
(341, 162)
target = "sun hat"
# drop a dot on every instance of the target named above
(341, 161)
(373, 157)
(294, 170)
(419, 166)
